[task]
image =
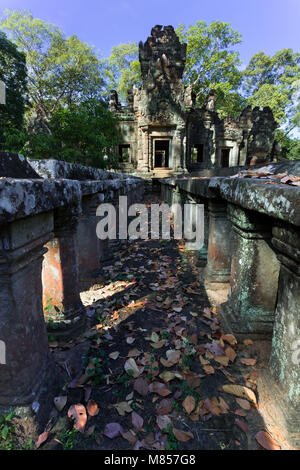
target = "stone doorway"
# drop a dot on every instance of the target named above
(225, 154)
(161, 153)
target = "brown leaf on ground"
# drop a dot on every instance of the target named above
(113, 430)
(230, 353)
(229, 339)
(183, 436)
(159, 388)
(78, 413)
(92, 408)
(60, 402)
(41, 439)
(163, 421)
(241, 424)
(267, 441)
(122, 408)
(243, 404)
(212, 406)
(189, 404)
(164, 407)
(248, 361)
(130, 436)
(141, 386)
(209, 370)
(224, 360)
(241, 392)
(137, 420)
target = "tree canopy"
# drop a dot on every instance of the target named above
(61, 71)
(123, 69)
(68, 84)
(13, 74)
(213, 63)
(275, 81)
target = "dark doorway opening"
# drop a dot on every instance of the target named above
(124, 153)
(197, 153)
(161, 153)
(225, 157)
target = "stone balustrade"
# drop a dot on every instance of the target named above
(48, 243)
(254, 243)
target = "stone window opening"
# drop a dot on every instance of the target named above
(124, 153)
(197, 153)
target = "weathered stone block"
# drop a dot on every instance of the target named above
(219, 250)
(22, 326)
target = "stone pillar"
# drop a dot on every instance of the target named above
(254, 275)
(218, 250)
(23, 336)
(64, 312)
(203, 252)
(283, 376)
(90, 248)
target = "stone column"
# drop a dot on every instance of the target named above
(283, 376)
(218, 250)
(254, 275)
(64, 312)
(23, 336)
(203, 252)
(90, 248)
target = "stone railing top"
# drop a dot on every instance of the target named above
(93, 187)
(262, 195)
(280, 201)
(57, 169)
(21, 198)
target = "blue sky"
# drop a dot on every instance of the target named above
(265, 25)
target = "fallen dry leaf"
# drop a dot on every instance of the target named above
(267, 441)
(41, 439)
(243, 404)
(241, 424)
(164, 407)
(224, 360)
(209, 370)
(167, 376)
(78, 413)
(60, 402)
(130, 365)
(189, 404)
(130, 436)
(122, 408)
(230, 353)
(113, 430)
(248, 362)
(137, 420)
(163, 421)
(92, 408)
(183, 436)
(114, 355)
(141, 386)
(241, 392)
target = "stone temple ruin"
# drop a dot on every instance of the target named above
(163, 130)
(48, 242)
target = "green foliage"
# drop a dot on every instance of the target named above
(61, 71)
(6, 431)
(13, 74)
(290, 148)
(123, 69)
(79, 134)
(275, 81)
(212, 63)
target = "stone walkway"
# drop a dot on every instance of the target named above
(154, 370)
